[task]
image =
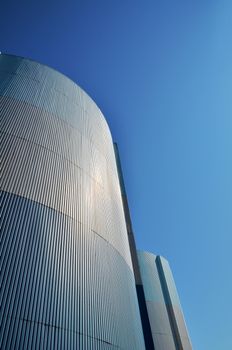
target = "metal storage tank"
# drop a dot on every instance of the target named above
(66, 271)
(166, 318)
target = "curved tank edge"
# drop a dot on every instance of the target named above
(65, 76)
(139, 251)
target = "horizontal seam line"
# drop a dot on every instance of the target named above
(55, 115)
(77, 221)
(66, 329)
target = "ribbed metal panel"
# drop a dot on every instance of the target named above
(166, 317)
(156, 305)
(67, 279)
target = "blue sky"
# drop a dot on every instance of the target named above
(161, 72)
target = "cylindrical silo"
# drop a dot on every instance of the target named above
(66, 272)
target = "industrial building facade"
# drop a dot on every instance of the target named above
(67, 276)
(68, 281)
(162, 318)
(165, 315)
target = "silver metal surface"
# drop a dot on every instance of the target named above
(67, 274)
(166, 318)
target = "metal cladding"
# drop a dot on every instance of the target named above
(66, 272)
(164, 310)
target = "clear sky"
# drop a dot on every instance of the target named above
(161, 72)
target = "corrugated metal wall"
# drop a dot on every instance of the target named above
(156, 304)
(67, 279)
(166, 317)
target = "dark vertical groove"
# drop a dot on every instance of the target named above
(169, 306)
(138, 281)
